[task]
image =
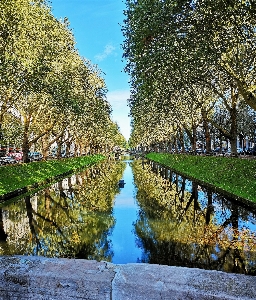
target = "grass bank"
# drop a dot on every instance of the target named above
(15, 177)
(234, 175)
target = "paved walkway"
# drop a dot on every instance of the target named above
(38, 278)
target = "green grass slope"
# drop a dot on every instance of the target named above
(234, 175)
(15, 177)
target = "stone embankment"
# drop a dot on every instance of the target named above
(39, 278)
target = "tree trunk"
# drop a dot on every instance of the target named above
(176, 145)
(248, 96)
(76, 150)
(206, 133)
(182, 140)
(68, 148)
(45, 147)
(1, 132)
(25, 143)
(210, 208)
(59, 144)
(233, 130)
(3, 235)
(47, 204)
(233, 146)
(194, 138)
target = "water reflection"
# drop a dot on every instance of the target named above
(125, 213)
(72, 218)
(132, 211)
(184, 225)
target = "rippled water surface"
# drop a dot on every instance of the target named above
(132, 211)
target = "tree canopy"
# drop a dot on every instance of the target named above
(187, 60)
(48, 92)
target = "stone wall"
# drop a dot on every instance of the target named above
(39, 278)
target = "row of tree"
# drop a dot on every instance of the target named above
(192, 68)
(48, 92)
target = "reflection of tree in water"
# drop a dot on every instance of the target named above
(73, 218)
(3, 235)
(181, 228)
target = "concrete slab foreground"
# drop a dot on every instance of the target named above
(39, 278)
(143, 281)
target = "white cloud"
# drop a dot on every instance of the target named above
(118, 98)
(109, 49)
(118, 101)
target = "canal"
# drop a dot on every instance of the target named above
(132, 211)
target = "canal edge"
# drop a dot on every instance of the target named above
(37, 186)
(250, 204)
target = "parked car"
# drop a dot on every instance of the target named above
(35, 156)
(248, 151)
(17, 156)
(240, 151)
(254, 150)
(7, 160)
(219, 150)
(199, 151)
(228, 152)
(216, 150)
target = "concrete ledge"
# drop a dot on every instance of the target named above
(39, 278)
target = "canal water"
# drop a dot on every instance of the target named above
(132, 211)
(125, 212)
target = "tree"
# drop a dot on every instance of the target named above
(46, 87)
(179, 54)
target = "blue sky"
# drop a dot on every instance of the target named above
(99, 38)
